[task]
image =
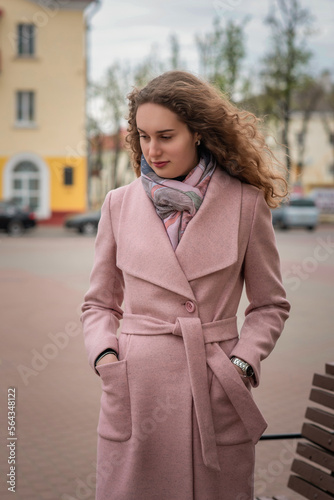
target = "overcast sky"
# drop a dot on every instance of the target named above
(126, 30)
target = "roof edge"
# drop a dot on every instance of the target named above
(55, 5)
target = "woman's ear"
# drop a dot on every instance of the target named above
(198, 139)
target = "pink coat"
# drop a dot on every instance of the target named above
(177, 422)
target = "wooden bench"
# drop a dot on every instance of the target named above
(311, 481)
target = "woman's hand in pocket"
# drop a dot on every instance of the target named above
(109, 358)
(239, 370)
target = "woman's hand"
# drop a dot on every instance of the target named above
(109, 358)
(241, 374)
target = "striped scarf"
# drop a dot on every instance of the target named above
(176, 202)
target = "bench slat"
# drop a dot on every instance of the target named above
(317, 455)
(323, 381)
(318, 436)
(276, 497)
(329, 367)
(321, 417)
(315, 476)
(307, 490)
(322, 397)
(312, 482)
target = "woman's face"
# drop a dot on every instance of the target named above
(167, 144)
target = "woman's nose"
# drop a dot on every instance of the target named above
(154, 149)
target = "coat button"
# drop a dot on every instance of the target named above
(190, 306)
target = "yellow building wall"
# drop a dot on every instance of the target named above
(69, 197)
(3, 161)
(57, 75)
(62, 198)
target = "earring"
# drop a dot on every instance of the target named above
(198, 142)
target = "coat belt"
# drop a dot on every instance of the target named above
(201, 347)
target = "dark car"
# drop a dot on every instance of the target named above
(84, 223)
(14, 219)
(297, 212)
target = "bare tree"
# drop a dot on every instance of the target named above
(307, 99)
(327, 117)
(286, 60)
(175, 62)
(149, 68)
(221, 53)
(112, 92)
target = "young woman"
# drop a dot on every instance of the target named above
(173, 252)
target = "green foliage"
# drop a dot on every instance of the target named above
(175, 62)
(287, 58)
(221, 53)
(149, 68)
(286, 61)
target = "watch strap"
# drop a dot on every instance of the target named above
(244, 366)
(104, 353)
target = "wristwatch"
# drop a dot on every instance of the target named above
(245, 367)
(104, 353)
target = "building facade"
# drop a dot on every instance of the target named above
(313, 155)
(42, 105)
(312, 159)
(110, 166)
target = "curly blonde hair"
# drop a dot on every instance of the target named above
(231, 135)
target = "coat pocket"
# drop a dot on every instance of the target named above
(229, 427)
(115, 412)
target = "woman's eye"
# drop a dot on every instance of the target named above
(164, 137)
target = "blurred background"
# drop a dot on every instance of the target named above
(66, 67)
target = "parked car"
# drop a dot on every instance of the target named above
(297, 212)
(14, 219)
(84, 223)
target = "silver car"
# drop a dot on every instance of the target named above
(298, 212)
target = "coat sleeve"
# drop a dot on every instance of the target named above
(268, 307)
(101, 310)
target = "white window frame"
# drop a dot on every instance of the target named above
(24, 191)
(44, 211)
(26, 40)
(25, 108)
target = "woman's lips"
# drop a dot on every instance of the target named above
(159, 164)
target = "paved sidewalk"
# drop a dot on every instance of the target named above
(42, 355)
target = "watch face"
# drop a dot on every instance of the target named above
(249, 371)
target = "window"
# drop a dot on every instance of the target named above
(68, 176)
(302, 202)
(26, 39)
(26, 184)
(25, 107)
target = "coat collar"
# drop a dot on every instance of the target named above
(210, 242)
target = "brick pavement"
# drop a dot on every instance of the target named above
(57, 396)
(43, 281)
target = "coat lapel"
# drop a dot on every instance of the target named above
(143, 246)
(210, 242)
